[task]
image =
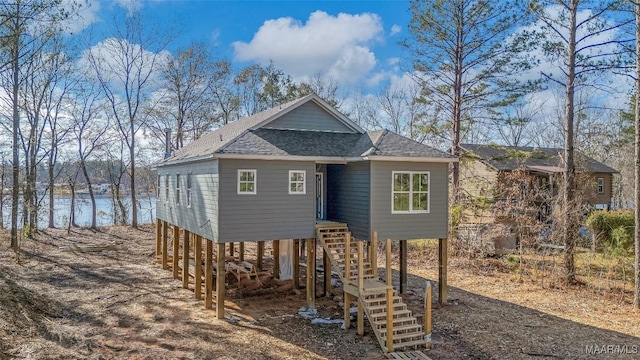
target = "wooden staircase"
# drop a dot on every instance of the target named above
(371, 294)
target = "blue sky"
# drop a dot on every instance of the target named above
(353, 41)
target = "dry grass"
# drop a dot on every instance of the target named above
(119, 303)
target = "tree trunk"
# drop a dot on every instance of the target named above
(94, 214)
(16, 126)
(72, 207)
(570, 208)
(636, 292)
(134, 203)
(457, 109)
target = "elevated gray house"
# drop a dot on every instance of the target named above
(277, 174)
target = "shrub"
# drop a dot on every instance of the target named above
(613, 229)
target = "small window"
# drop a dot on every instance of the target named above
(246, 181)
(177, 189)
(189, 190)
(297, 182)
(410, 192)
(600, 187)
(166, 189)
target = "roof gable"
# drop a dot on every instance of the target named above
(309, 117)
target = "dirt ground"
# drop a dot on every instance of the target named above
(118, 303)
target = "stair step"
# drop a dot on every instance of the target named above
(396, 314)
(380, 301)
(405, 329)
(377, 308)
(382, 323)
(407, 344)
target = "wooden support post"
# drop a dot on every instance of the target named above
(185, 259)
(442, 271)
(388, 264)
(347, 310)
(276, 258)
(241, 251)
(176, 251)
(347, 257)
(232, 250)
(403, 266)
(198, 271)
(311, 272)
(158, 238)
(165, 250)
(389, 320)
(374, 254)
(360, 318)
(220, 283)
(260, 255)
(208, 273)
(427, 314)
(327, 273)
(296, 263)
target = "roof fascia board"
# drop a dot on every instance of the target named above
(184, 161)
(410, 159)
(322, 159)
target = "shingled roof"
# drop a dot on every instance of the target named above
(506, 158)
(246, 137)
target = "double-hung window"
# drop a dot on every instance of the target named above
(188, 189)
(297, 180)
(410, 192)
(166, 189)
(247, 181)
(177, 189)
(600, 185)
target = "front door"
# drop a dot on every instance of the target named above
(319, 197)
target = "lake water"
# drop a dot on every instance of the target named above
(104, 208)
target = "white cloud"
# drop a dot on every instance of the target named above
(334, 45)
(130, 5)
(395, 29)
(112, 53)
(84, 15)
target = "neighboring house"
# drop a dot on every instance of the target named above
(482, 168)
(277, 174)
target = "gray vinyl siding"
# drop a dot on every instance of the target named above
(348, 196)
(272, 213)
(202, 216)
(308, 116)
(431, 225)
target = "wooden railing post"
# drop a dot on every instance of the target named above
(374, 254)
(347, 256)
(360, 267)
(208, 273)
(390, 320)
(388, 263)
(427, 314)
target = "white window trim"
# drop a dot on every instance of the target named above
(255, 182)
(411, 211)
(598, 185)
(304, 182)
